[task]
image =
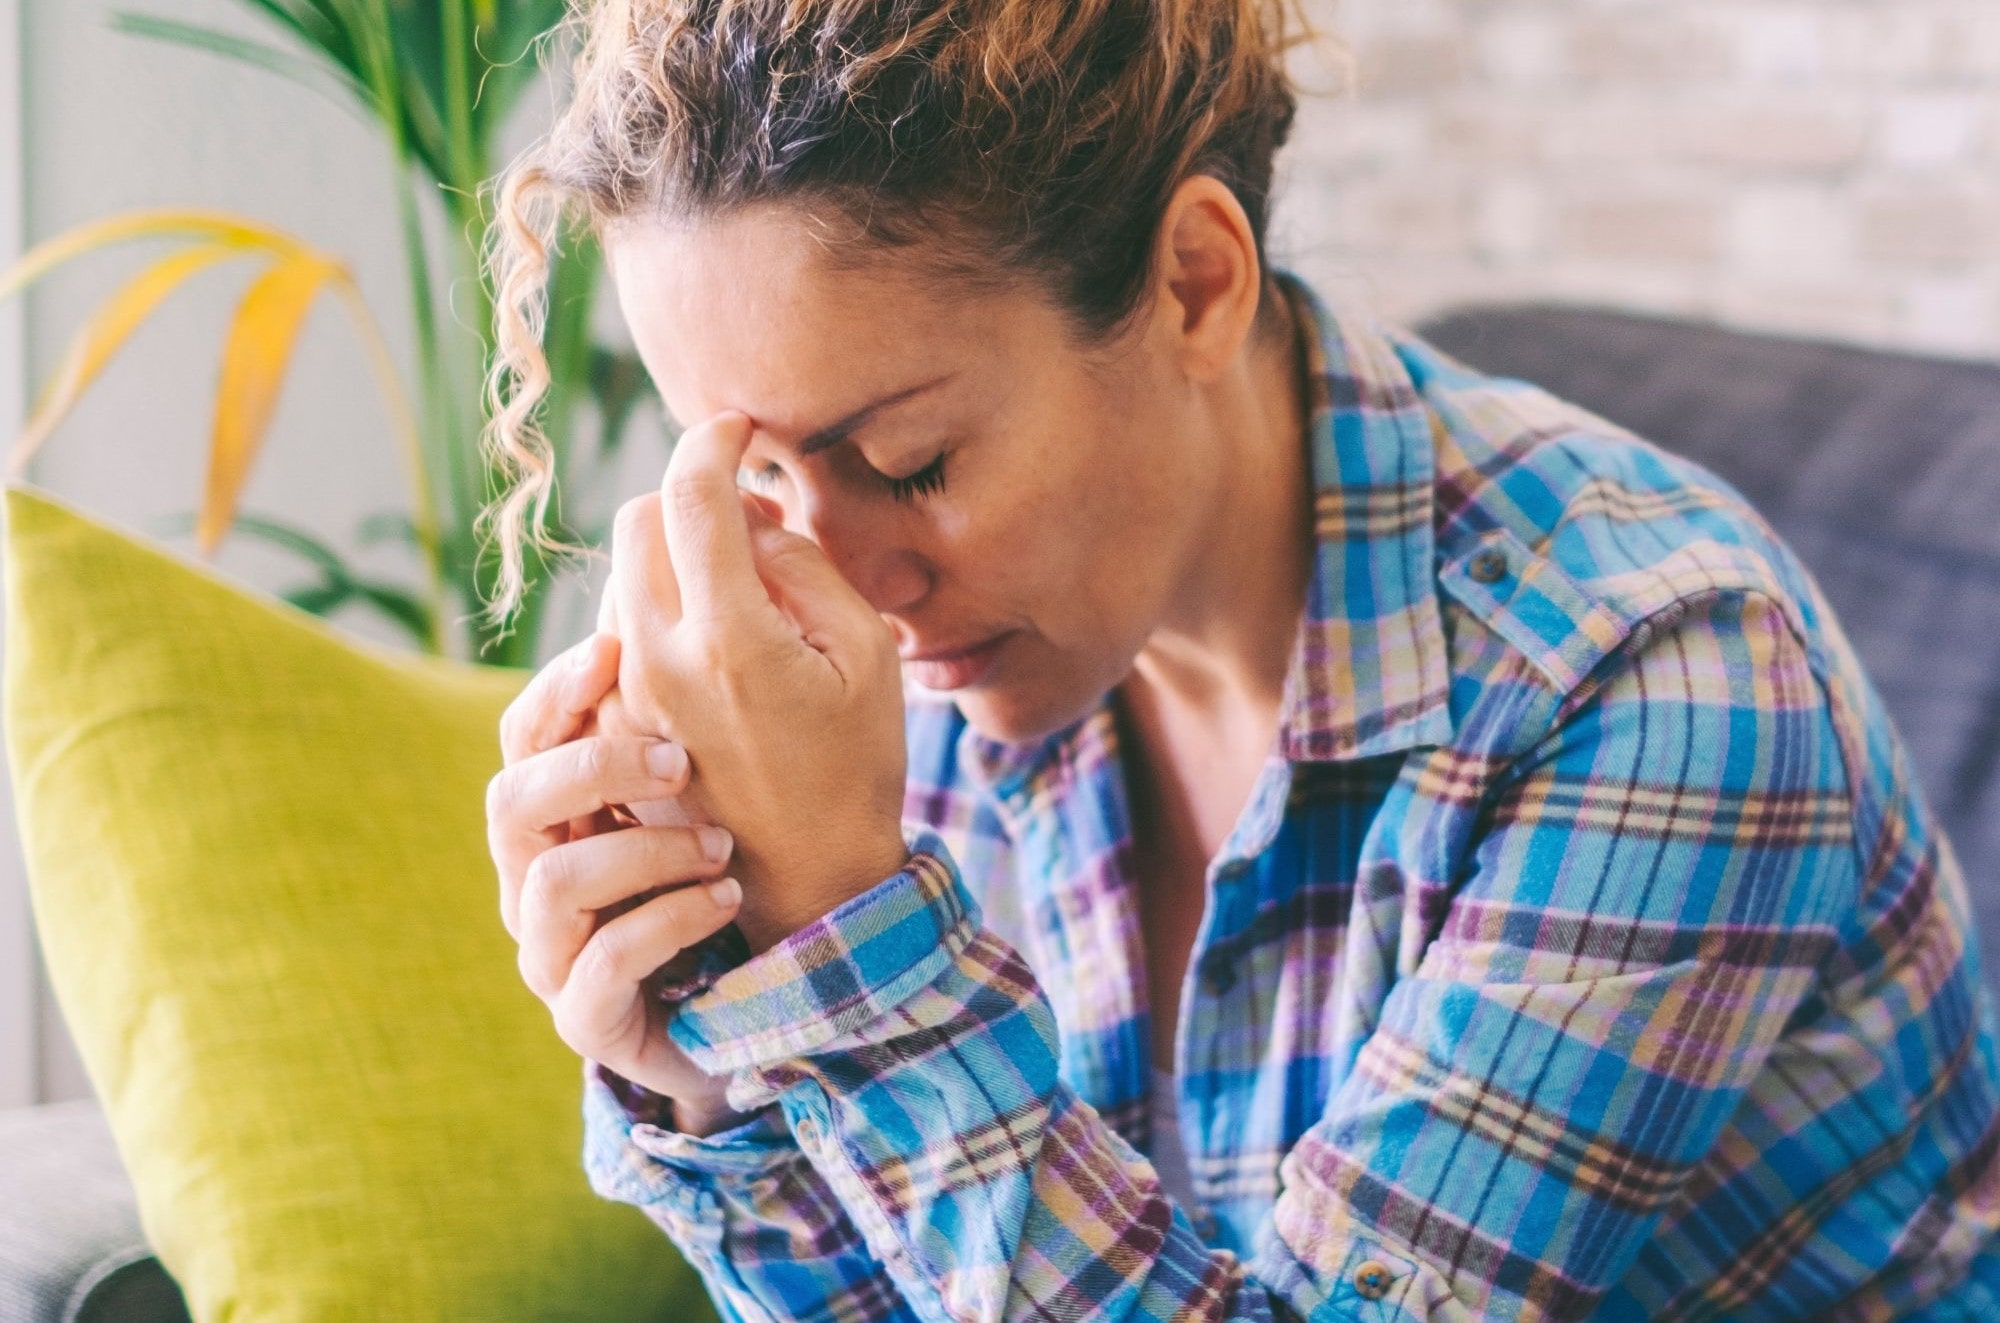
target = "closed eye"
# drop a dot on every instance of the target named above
(926, 481)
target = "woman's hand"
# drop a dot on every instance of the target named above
(597, 909)
(743, 642)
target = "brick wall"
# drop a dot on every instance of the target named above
(1831, 168)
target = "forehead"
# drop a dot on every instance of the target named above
(750, 312)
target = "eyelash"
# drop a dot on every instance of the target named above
(926, 481)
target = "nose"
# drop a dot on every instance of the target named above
(871, 551)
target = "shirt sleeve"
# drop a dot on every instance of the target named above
(743, 1206)
(1640, 913)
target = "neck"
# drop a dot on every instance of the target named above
(1221, 656)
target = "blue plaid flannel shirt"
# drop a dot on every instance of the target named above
(1585, 949)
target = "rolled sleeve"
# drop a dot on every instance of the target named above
(839, 974)
(744, 1206)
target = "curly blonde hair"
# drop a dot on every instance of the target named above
(997, 139)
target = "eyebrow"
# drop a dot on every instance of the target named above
(830, 436)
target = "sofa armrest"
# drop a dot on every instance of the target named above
(71, 1248)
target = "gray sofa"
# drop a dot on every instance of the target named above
(1882, 470)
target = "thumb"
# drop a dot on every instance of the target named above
(805, 585)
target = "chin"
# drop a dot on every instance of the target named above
(1016, 716)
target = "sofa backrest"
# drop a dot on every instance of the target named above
(1883, 472)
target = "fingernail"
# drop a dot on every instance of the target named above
(716, 842)
(666, 760)
(725, 892)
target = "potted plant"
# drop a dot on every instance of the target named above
(438, 79)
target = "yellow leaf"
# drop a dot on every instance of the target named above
(106, 332)
(166, 223)
(260, 345)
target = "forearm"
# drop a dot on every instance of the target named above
(917, 1069)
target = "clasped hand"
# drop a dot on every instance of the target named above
(753, 683)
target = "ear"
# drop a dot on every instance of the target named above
(1210, 275)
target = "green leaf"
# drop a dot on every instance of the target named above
(402, 607)
(339, 587)
(508, 55)
(619, 381)
(336, 84)
(298, 541)
(295, 540)
(321, 599)
(387, 526)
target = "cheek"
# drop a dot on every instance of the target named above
(1083, 561)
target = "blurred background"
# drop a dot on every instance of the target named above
(1829, 169)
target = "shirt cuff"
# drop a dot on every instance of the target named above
(839, 973)
(634, 1154)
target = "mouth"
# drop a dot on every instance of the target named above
(944, 669)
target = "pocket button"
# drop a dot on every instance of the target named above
(1372, 1279)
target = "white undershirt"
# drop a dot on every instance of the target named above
(1169, 1158)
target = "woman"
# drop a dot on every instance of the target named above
(1350, 837)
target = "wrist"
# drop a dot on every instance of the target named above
(702, 1118)
(863, 870)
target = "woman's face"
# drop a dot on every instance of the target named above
(1021, 515)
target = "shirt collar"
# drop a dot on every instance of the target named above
(1370, 669)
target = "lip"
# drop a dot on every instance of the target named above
(943, 669)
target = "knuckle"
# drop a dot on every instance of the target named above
(631, 514)
(548, 880)
(530, 966)
(502, 794)
(679, 914)
(578, 1033)
(594, 760)
(510, 730)
(604, 955)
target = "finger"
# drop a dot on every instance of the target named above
(708, 538)
(805, 584)
(568, 884)
(529, 805)
(551, 708)
(602, 984)
(594, 723)
(643, 590)
(607, 605)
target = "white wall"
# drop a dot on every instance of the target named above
(1828, 167)
(18, 1077)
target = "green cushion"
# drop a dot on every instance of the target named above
(256, 853)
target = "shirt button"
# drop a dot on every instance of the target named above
(1372, 1279)
(1489, 566)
